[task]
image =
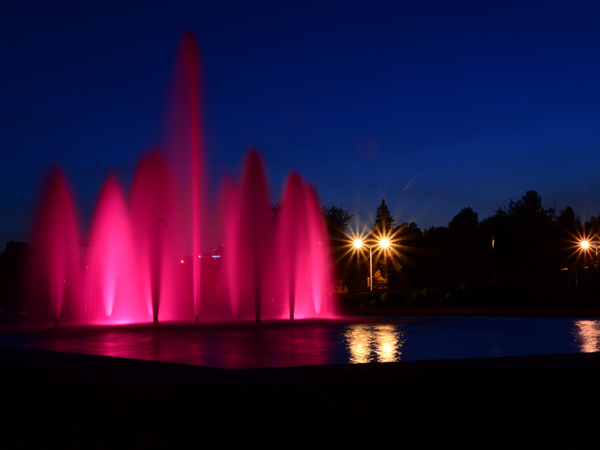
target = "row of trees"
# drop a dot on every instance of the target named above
(521, 241)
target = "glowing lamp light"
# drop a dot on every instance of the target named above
(585, 245)
(384, 243)
(381, 242)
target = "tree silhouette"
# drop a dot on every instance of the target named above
(465, 224)
(13, 264)
(531, 233)
(338, 219)
(529, 209)
(568, 220)
(383, 226)
(568, 230)
(384, 222)
(409, 262)
(465, 240)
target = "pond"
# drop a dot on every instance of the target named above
(312, 342)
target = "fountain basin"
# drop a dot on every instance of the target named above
(310, 342)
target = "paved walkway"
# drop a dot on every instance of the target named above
(84, 401)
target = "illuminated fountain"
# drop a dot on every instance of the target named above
(142, 257)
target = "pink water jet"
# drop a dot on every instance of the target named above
(56, 269)
(110, 262)
(142, 258)
(185, 153)
(250, 224)
(156, 226)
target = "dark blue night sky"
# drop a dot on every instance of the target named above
(432, 106)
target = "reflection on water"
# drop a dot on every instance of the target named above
(374, 343)
(588, 334)
(232, 347)
(303, 343)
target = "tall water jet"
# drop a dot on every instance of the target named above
(111, 263)
(303, 251)
(56, 243)
(155, 225)
(319, 263)
(251, 227)
(231, 234)
(291, 233)
(185, 151)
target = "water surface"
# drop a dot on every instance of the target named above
(317, 342)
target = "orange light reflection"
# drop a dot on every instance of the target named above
(589, 335)
(374, 343)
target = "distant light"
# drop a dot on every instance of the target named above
(384, 243)
(181, 261)
(585, 245)
(216, 256)
(358, 243)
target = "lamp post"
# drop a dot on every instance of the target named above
(382, 243)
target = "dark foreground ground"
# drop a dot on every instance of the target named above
(58, 400)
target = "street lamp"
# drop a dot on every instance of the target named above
(383, 243)
(586, 246)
